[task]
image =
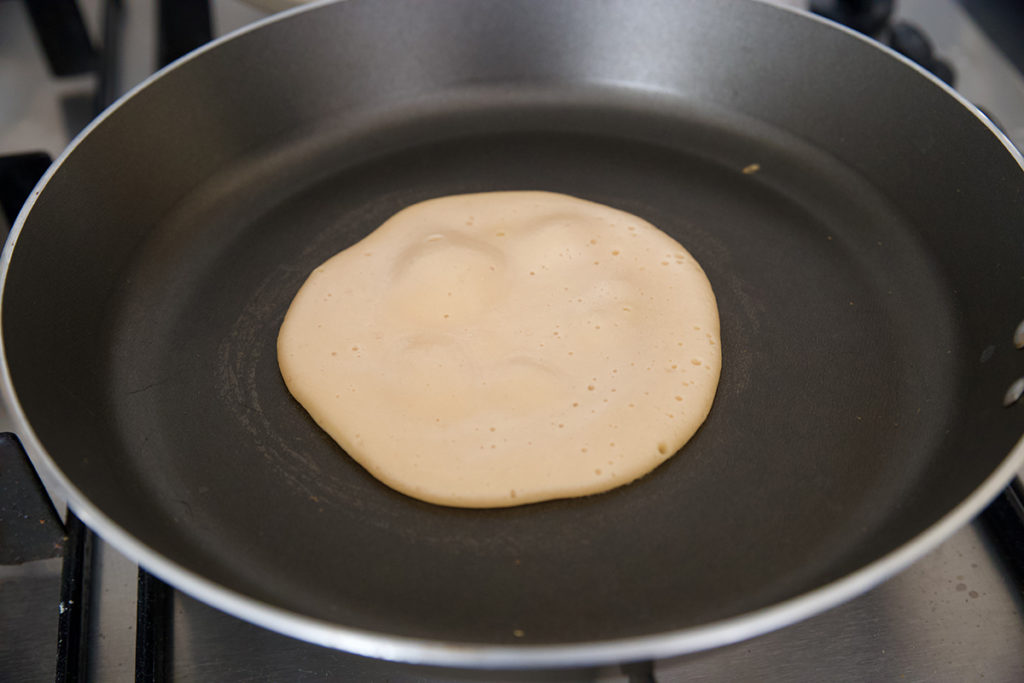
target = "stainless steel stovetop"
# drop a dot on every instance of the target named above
(955, 615)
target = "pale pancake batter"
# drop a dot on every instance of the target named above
(503, 348)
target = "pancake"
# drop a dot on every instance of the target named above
(504, 348)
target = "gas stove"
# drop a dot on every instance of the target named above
(73, 608)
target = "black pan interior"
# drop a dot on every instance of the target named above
(858, 401)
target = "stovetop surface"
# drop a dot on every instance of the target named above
(957, 614)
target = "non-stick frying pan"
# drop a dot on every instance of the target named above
(861, 226)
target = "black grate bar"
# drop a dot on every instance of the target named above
(184, 26)
(62, 34)
(72, 625)
(19, 174)
(151, 632)
(108, 87)
(30, 529)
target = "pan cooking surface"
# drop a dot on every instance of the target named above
(817, 425)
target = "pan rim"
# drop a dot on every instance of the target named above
(437, 652)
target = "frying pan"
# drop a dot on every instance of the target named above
(860, 223)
